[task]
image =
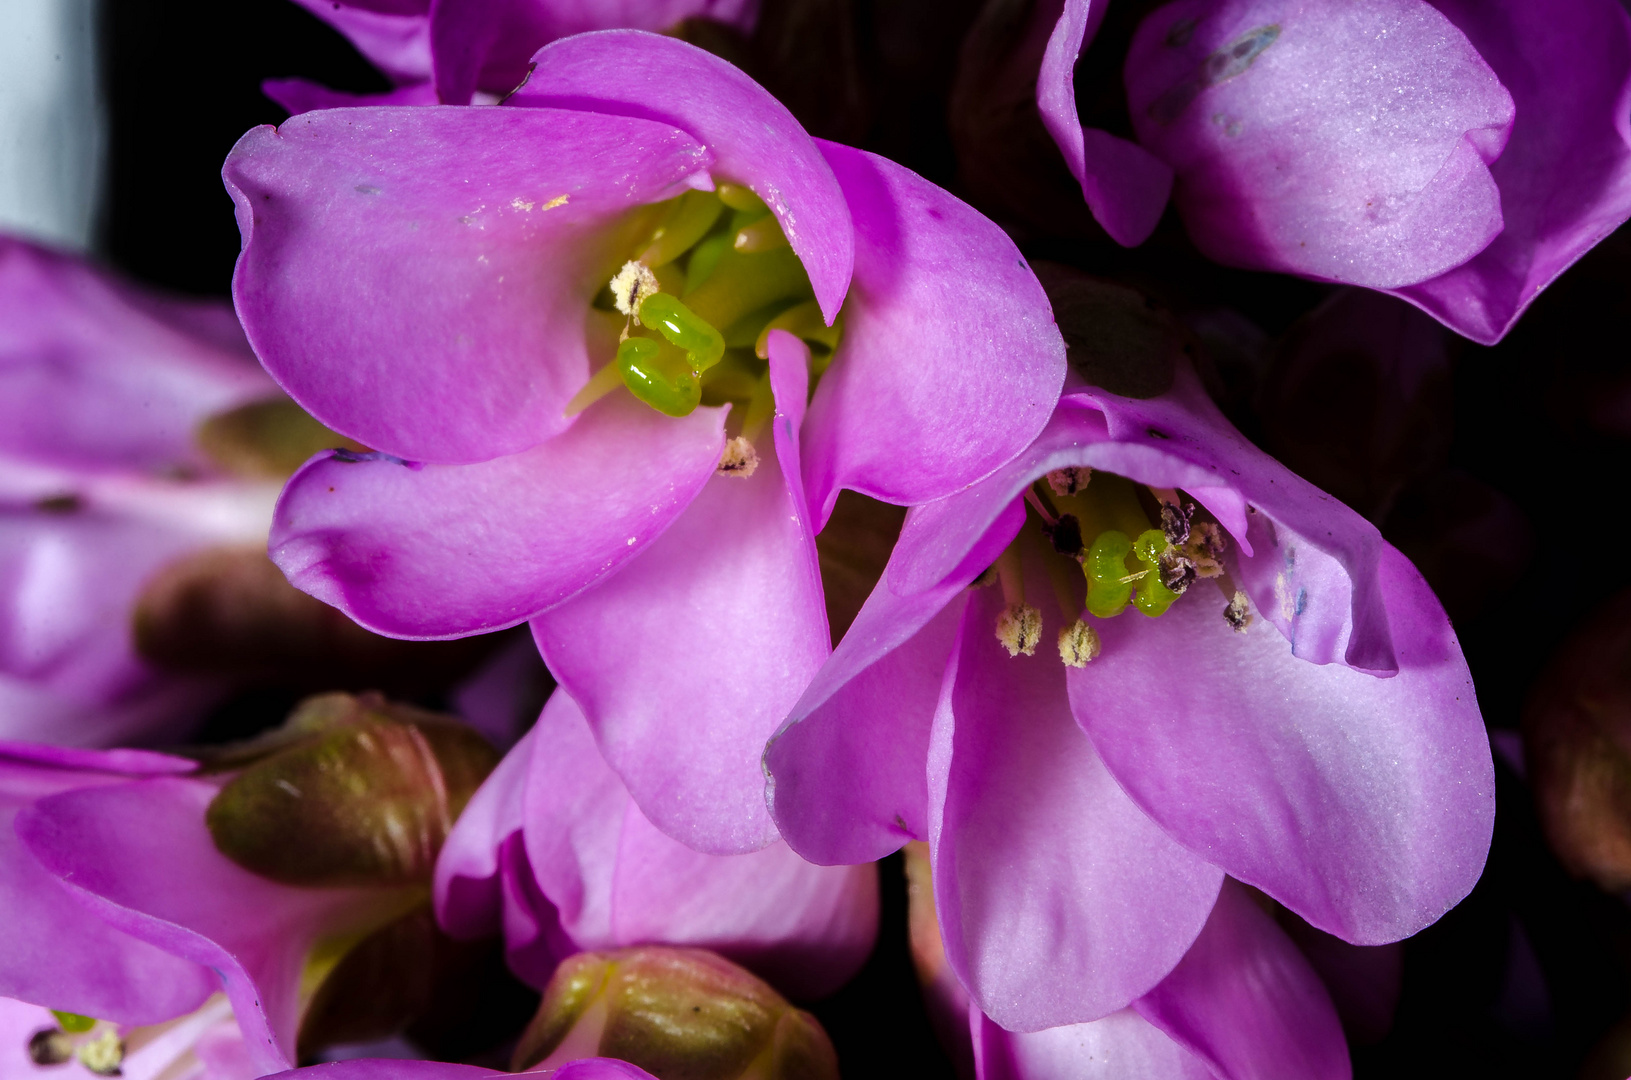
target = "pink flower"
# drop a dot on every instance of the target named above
(422, 279)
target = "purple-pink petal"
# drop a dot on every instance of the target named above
(448, 550)
(1345, 142)
(302, 96)
(847, 780)
(621, 882)
(1125, 186)
(448, 255)
(1121, 1046)
(55, 953)
(1247, 1003)
(139, 856)
(1565, 176)
(950, 362)
(687, 659)
(1364, 804)
(394, 36)
(1041, 863)
(754, 140)
(97, 374)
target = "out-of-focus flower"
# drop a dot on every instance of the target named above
(1577, 746)
(202, 1045)
(674, 1012)
(55, 954)
(454, 51)
(554, 853)
(1243, 1002)
(454, 258)
(141, 449)
(1309, 728)
(386, 1069)
(103, 482)
(258, 876)
(1460, 155)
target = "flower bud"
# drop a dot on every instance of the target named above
(1577, 742)
(675, 1013)
(354, 791)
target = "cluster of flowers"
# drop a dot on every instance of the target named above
(825, 510)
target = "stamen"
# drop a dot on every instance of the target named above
(104, 1054)
(1069, 480)
(739, 197)
(1078, 644)
(739, 459)
(1175, 516)
(1019, 628)
(687, 221)
(601, 383)
(1238, 613)
(631, 286)
(762, 235)
(50, 1046)
(805, 321)
(1035, 503)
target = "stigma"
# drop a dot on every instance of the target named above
(1109, 544)
(708, 276)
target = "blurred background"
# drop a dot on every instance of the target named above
(115, 118)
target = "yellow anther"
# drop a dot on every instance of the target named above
(1078, 644)
(1019, 628)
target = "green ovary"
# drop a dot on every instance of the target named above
(727, 278)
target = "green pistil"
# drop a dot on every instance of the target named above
(700, 299)
(1120, 570)
(73, 1023)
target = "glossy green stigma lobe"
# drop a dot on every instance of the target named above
(1153, 598)
(703, 344)
(1106, 566)
(73, 1023)
(660, 375)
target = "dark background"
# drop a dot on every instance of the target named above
(1526, 977)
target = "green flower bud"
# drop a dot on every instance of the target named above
(353, 791)
(680, 1014)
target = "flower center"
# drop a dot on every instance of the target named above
(697, 300)
(1111, 544)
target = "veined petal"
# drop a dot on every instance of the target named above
(1366, 805)
(1125, 186)
(1041, 863)
(1565, 176)
(140, 857)
(1345, 142)
(1247, 1003)
(950, 362)
(754, 140)
(448, 255)
(687, 660)
(450, 550)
